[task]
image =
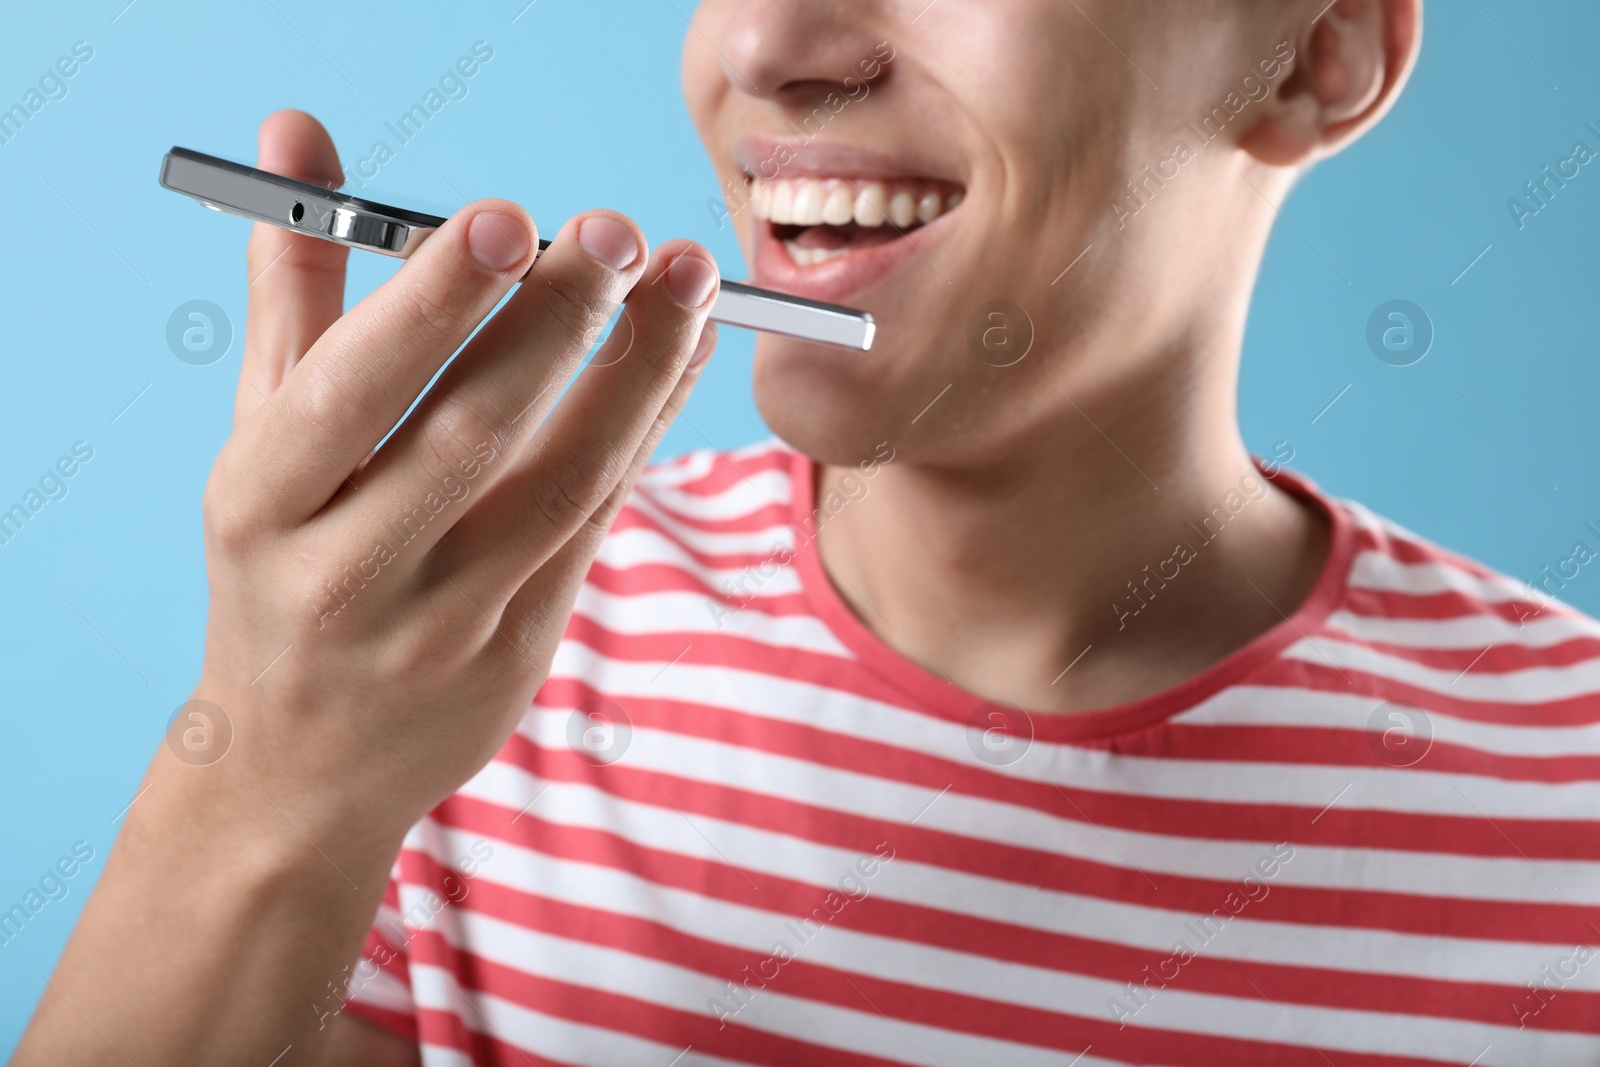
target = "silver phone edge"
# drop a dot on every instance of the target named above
(331, 219)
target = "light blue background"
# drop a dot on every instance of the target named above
(580, 107)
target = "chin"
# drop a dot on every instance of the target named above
(831, 405)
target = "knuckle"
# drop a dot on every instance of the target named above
(317, 600)
(570, 492)
(528, 632)
(453, 432)
(232, 522)
(320, 402)
(326, 401)
(667, 356)
(556, 504)
(418, 656)
(438, 323)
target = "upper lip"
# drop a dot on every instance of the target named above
(773, 158)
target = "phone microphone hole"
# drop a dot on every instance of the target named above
(298, 213)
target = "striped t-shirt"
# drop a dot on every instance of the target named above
(737, 828)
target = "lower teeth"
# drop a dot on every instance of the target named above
(810, 257)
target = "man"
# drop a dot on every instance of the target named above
(1009, 712)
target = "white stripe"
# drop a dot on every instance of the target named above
(442, 1056)
(689, 467)
(1531, 685)
(1465, 632)
(1511, 879)
(383, 990)
(675, 614)
(639, 546)
(847, 950)
(1367, 519)
(1447, 572)
(757, 449)
(1373, 788)
(761, 853)
(743, 496)
(1256, 705)
(862, 1031)
(544, 1035)
(1380, 571)
(716, 543)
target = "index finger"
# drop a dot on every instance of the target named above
(369, 366)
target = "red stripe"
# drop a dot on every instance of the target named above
(1482, 659)
(1406, 550)
(591, 1006)
(646, 578)
(630, 518)
(1466, 834)
(1386, 604)
(801, 978)
(1488, 920)
(727, 472)
(1064, 953)
(1313, 673)
(400, 1024)
(871, 672)
(775, 514)
(1332, 747)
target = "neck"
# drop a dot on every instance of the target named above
(1055, 576)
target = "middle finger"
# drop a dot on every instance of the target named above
(493, 396)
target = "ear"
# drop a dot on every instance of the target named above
(1348, 68)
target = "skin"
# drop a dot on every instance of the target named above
(990, 546)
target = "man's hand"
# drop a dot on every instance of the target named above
(405, 603)
(380, 617)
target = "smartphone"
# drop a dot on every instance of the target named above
(333, 216)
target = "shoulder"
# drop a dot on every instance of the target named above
(699, 570)
(709, 504)
(1397, 574)
(696, 527)
(1433, 620)
(744, 484)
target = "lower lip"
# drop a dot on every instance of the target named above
(841, 277)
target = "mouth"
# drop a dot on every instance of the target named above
(816, 220)
(832, 220)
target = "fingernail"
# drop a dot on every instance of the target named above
(690, 279)
(497, 240)
(608, 241)
(708, 341)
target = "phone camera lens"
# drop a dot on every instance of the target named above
(298, 213)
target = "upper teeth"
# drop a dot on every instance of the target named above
(839, 201)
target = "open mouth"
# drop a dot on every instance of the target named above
(818, 219)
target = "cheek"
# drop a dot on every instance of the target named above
(1054, 77)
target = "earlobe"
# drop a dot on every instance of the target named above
(1286, 135)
